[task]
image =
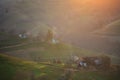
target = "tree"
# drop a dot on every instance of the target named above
(49, 36)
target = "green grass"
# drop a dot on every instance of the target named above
(59, 51)
(41, 51)
(9, 40)
(12, 68)
(95, 76)
(48, 51)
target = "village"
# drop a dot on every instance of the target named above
(56, 57)
(93, 63)
(59, 39)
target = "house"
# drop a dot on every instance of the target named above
(23, 36)
(98, 62)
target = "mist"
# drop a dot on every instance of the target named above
(74, 20)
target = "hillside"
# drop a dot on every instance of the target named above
(44, 51)
(36, 50)
(73, 20)
(112, 29)
(57, 40)
(12, 68)
(7, 39)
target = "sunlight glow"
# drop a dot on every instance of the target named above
(95, 3)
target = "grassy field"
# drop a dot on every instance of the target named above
(9, 40)
(34, 61)
(12, 68)
(15, 69)
(40, 51)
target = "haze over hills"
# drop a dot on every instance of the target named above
(59, 39)
(74, 20)
(105, 40)
(70, 17)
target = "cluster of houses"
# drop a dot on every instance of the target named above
(23, 36)
(96, 62)
(89, 63)
(50, 37)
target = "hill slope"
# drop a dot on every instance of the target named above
(112, 29)
(41, 51)
(12, 68)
